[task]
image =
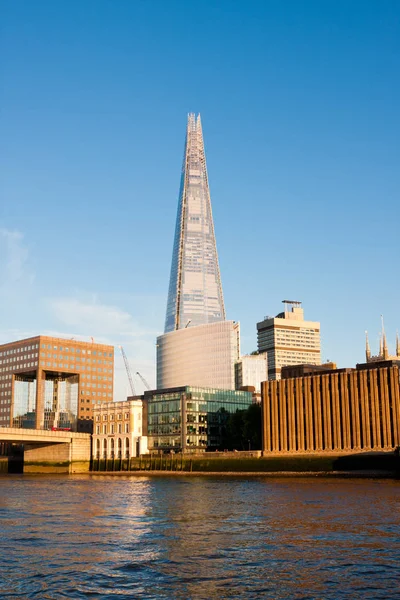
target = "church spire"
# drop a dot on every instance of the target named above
(367, 348)
(385, 351)
(397, 345)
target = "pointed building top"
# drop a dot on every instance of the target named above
(367, 347)
(195, 292)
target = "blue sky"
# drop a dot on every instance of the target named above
(299, 104)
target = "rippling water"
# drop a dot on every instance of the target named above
(194, 538)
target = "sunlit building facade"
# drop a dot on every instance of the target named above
(288, 339)
(203, 356)
(339, 410)
(251, 370)
(189, 418)
(195, 291)
(48, 382)
(119, 429)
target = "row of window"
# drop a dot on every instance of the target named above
(76, 350)
(19, 350)
(111, 429)
(119, 417)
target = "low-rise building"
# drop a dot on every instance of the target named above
(191, 419)
(120, 429)
(338, 410)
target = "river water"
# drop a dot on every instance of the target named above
(198, 538)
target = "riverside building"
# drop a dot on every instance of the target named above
(48, 382)
(189, 418)
(199, 347)
(339, 410)
(288, 339)
(119, 429)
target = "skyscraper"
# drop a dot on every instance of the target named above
(195, 291)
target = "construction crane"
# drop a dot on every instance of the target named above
(128, 371)
(146, 385)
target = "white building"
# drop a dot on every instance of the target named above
(288, 339)
(202, 356)
(251, 370)
(119, 430)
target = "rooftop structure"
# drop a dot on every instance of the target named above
(383, 348)
(195, 291)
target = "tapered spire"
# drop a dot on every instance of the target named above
(397, 345)
(195, 291)
(367, 347)
(385, 351)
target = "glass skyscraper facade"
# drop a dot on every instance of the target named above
(195, 291)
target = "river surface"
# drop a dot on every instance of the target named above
(198, 538)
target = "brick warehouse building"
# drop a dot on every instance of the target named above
(342, 410)
(48, 382)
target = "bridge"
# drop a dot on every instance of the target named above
(50, 451)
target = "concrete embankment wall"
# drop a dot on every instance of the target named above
(335, 463)
(71, 457)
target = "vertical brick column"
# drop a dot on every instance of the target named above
(281, 388)
(308, 414)
(355, 411)
(345, 409)
(327, 412)
(291, 415)
(299, 400)
(274, 418)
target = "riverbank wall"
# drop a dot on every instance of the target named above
(375, 462)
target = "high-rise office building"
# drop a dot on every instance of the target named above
(48, 382)
(195, 291)
(199, 347)
(288, 339)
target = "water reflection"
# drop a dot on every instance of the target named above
(74, 537)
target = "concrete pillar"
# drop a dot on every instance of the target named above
(355, 411)
(395, 403)
(327, 412)
(291, 415)
(308, 414)
(300, 426)
(281, 388)
(345, 409)
(40, 386)
(316, 394)
(365, 406)
(337, 438)
(274, 417)
(266, 416)
(385, 410)
(375, 412)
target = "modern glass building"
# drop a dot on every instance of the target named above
(195, 291)
(191, 419)
(203, 356)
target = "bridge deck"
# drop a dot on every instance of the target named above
(13, 434)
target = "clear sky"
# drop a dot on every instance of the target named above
(300, 112)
